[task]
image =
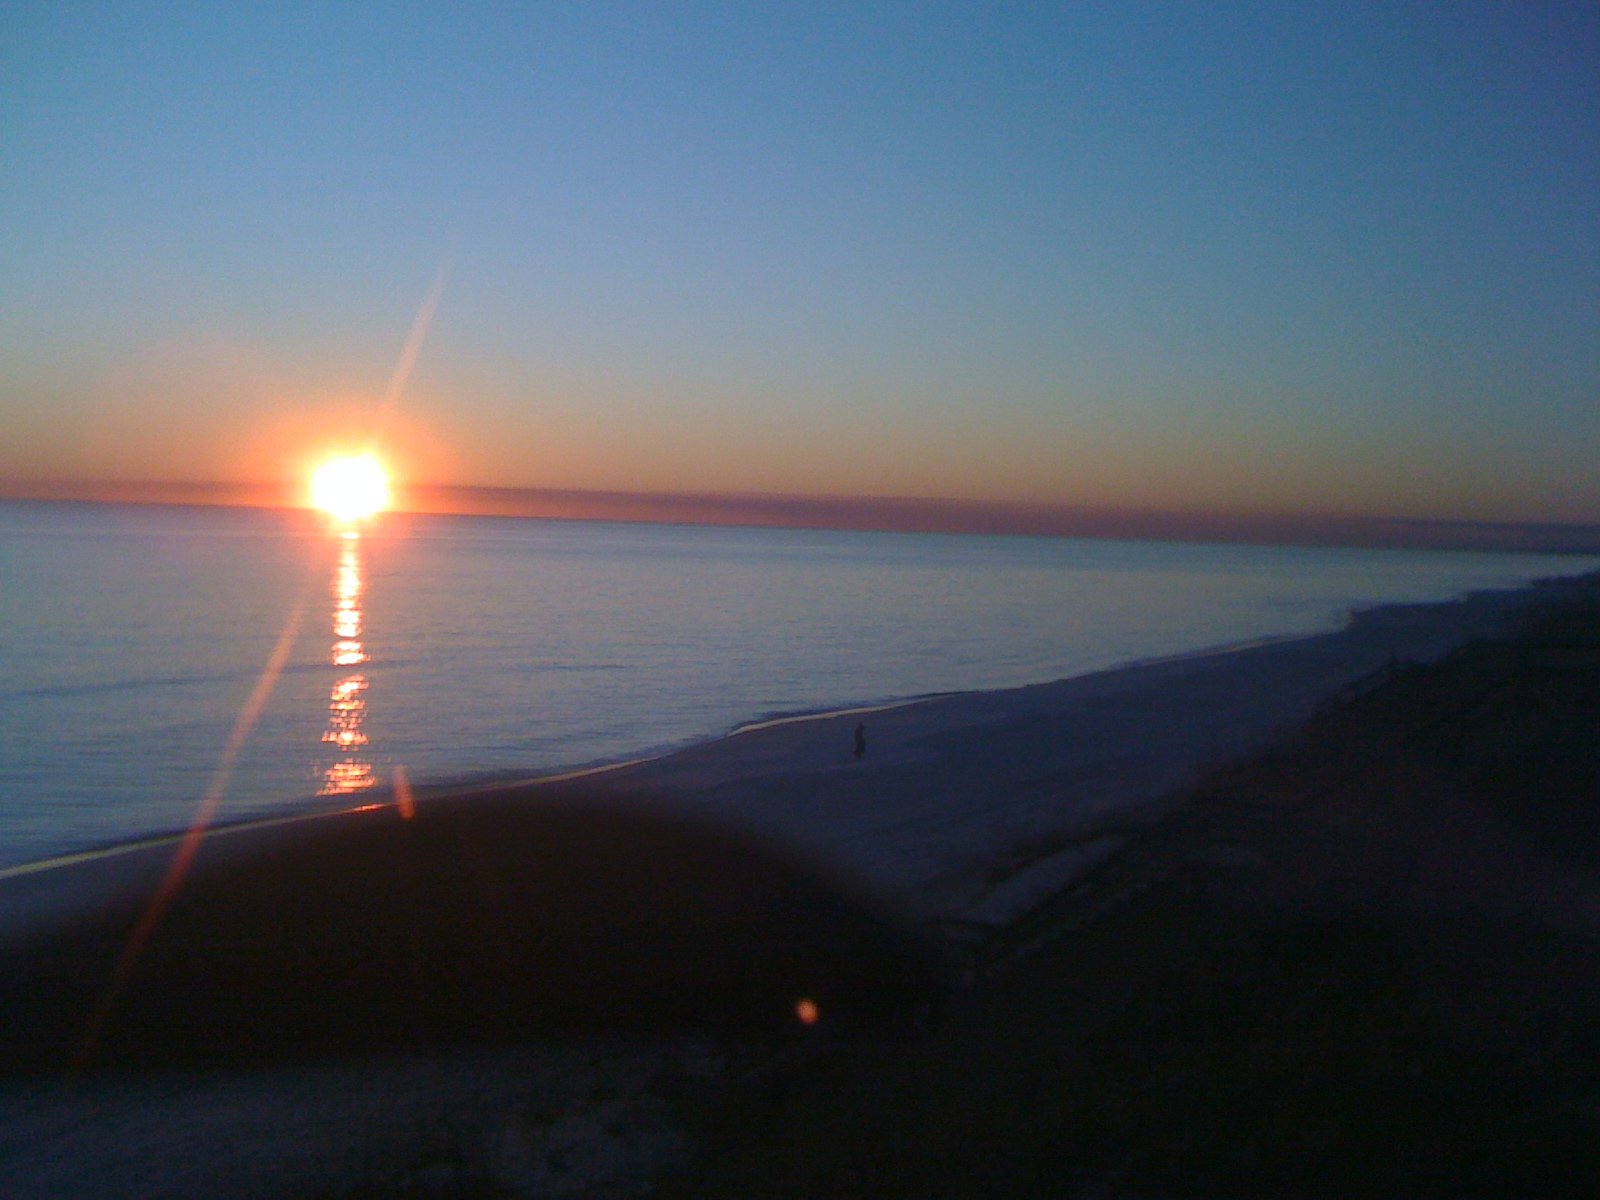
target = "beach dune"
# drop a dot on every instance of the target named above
(493, 917)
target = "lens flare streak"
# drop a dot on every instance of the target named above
(183, 856)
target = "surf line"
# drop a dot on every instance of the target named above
(828, 714)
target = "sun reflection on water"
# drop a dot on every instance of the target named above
(347, 703)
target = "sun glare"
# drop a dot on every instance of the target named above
(350, 487)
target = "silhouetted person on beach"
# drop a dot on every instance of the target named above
(861, 739)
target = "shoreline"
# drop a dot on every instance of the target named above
(307, 809)
(46, 849)
(758, 775)
(1080, 732)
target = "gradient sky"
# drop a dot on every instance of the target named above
(1229, 256)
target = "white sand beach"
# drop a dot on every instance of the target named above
(973, 806)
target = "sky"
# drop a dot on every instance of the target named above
(1280, 259)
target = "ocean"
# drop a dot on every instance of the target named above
(153, 656)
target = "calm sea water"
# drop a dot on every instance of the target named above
(134, 637)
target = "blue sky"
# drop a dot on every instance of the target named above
(1267, 257)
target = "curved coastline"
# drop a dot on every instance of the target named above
(789, 776)
(39, 843)
(310, 809)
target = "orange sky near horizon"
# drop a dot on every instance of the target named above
(1265, 262)
(154, 425)
(911, 515)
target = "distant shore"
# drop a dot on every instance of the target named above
(868, 514)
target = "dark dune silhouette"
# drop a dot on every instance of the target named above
(498, 916)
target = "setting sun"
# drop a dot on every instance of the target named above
(350, 487)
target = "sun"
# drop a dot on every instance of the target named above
(350, 487)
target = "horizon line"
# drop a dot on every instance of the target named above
(888, 514)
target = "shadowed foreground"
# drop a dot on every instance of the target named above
(1365, 964)
(493, 918)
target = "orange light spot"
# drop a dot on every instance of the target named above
(808, 1012)
(403, 798)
